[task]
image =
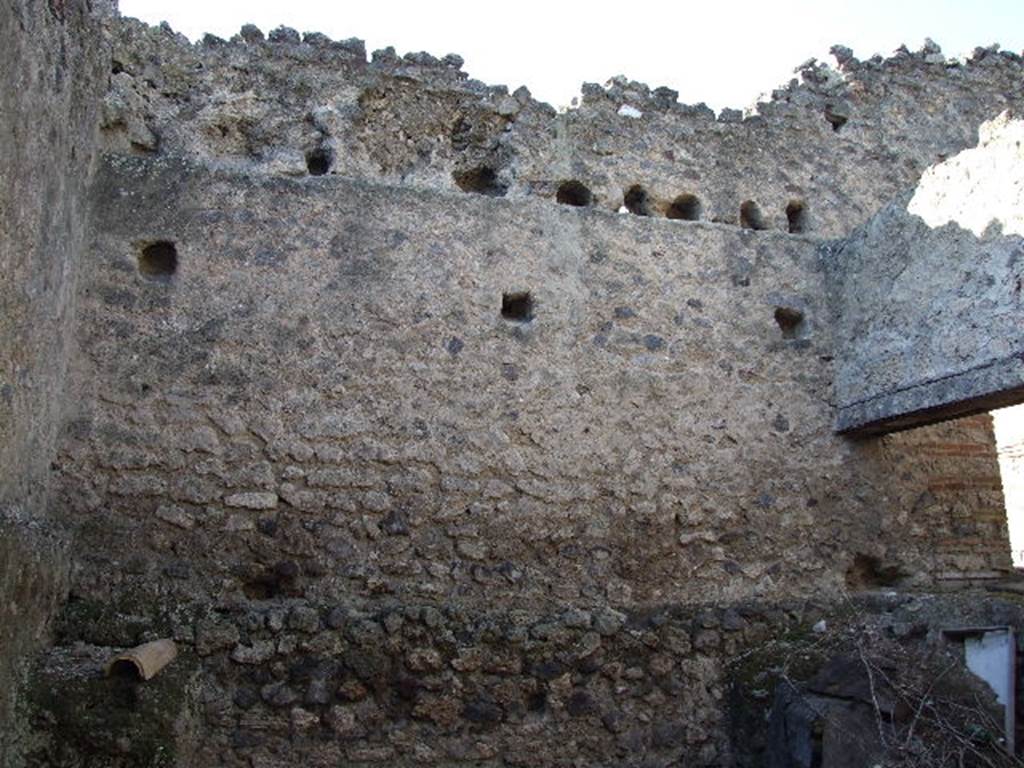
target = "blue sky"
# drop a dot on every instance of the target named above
(724, 53)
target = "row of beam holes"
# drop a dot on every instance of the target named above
(517, 307)
(158, 261)
(685, 207)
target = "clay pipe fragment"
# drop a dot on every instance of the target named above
(143, 661)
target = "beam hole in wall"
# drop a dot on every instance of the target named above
(835, 117)
(158, 261)
(869, 572)
(574, 193)
(790, 321)
(481, 181)
(637, 201)
(796, 215)
(686, 207)
(318, 161)
(517, 306)
(750, 216)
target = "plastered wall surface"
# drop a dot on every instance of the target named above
(839, 142)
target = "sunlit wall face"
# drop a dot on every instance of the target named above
(1009, 425)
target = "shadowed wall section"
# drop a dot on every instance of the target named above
(54, 73)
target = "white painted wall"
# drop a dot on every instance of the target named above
(1009, 426)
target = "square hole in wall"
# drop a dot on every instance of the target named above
(158, 260)
(517, 306)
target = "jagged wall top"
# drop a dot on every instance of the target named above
(838, 143)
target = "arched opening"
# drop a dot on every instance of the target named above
(574, 193)
(686, 207)
(637, 201)
(750, 216)
(481, 180)
(796, 215)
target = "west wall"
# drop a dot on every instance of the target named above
(54, 72)
(387, 524)
(312, 449)
(326, 389)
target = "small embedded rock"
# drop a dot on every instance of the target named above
(276, 620)
(609, 621)
(238, 523)
(366, 633)
(509, 106)
(245, 698)
(352, 690)
(732, 621)
(257, 653)
(706, 640)
(393, 623)
(251, 33)
(576, 618)
(579, 704)
(424, 660)
(278, 695)
(341, 720)
(318, 692)
(215, 636)
(304, 619)
(175, 515)
(303, 719)
(255, 500)
(481, 710)
(284, 35)
(337, 617)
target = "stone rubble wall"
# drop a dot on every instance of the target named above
(389, 519)
(324, 399)
(410, 683)
(54, 75)
(273, 683)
